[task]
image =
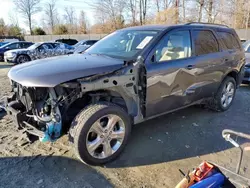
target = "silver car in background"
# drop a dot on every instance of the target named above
(39, 50)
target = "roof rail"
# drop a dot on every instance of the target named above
(202, 23)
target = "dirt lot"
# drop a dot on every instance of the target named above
(157, 149)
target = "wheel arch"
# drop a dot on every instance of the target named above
(116, 95)
(234, 74)
(24, 55)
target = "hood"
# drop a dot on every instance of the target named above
(50, 72)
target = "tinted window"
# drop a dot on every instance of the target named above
(205, 42)
(229, 40)
(25, 45)
(176, 45)
(56, 45)
(47, 46)
(91, 42)
(13, 46)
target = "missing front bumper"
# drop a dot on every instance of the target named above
(15, 109)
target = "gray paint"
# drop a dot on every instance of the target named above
(53, 71)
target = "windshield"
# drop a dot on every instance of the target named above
(7, 44)
(246, 45)
(34, 46)
(2, 44)
(123, 44)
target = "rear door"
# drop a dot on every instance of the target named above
(208, 62)
(169, 75)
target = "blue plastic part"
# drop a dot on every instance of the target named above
(53, 132)
(214, 181)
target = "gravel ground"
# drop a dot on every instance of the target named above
(156, 151)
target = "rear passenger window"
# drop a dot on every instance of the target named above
(25, 45)
(205, 42)
(229, 40)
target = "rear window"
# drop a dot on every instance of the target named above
(229, 40)
(205, 42)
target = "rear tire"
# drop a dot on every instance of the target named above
(224, 96)
(94, 141)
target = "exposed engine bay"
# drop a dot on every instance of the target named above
(47, 112)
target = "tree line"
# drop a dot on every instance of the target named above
(111, 15)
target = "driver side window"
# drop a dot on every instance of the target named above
(40, 48)
(176, 45)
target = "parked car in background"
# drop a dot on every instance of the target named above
(12, 46)
(243, 41)
(82, 45)
(70, 42)
(68, 47)
(3, 43)
(128, 77)
(85, 42)
(37, 51)
(246, 46)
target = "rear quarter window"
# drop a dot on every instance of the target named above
(229, 40)
(205, 42)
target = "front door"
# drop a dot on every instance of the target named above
(170, 73)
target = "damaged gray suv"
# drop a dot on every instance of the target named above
(130, 76)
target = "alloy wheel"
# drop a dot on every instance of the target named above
(227, 94)
(105, 136)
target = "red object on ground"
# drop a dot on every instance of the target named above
(202, 171)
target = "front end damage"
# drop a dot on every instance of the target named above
(36, 111)
(46, 112)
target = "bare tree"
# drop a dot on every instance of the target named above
(143, 11)
(69, 15)
(132, 6)
(70, 18)
(183, 11)
(3, 27)
(13, 19)
(83, 23)
(176, 7)
(111, 11)
(28, 8)
(167, 3)
(201, 6)
(158, 5)
(51, 14)
(210, 10)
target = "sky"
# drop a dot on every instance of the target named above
(7, 7)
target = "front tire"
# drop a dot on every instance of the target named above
(22, 59)
(225, 95)
(100, 132)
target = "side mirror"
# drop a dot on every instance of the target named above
(7, 48)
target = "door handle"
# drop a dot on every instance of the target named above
(189, 67)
